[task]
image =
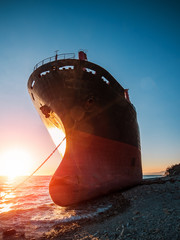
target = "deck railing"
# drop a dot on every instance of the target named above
(55, 58)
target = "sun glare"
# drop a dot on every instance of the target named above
(57, 136)
(15, 162)
(56, 130)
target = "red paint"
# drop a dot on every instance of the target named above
(82, 55)
(126, 94)
(93, 166)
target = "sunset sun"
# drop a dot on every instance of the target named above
(15, 162)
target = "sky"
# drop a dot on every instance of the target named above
(136, 41)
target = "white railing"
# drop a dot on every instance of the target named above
(55, 58)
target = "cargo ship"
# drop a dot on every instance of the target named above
(81, 101)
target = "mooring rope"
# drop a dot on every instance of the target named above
(36, 169)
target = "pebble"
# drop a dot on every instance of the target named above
(136, 212)
(9, 232)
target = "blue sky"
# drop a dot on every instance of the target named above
(136, 41)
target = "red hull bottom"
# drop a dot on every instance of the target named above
(93, 166)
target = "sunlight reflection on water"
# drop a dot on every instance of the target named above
(30, 207)
(7, 195)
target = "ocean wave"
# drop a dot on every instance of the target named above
(30, 205)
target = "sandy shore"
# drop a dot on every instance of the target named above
(148, 211)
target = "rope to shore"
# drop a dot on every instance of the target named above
(50, 155)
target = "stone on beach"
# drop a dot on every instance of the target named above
(9, 232)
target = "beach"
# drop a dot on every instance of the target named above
(150, 210)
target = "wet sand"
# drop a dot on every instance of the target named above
(148, 211)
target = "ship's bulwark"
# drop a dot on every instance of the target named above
(102, 135)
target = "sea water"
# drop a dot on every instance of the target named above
(151, 176)
(30, 210)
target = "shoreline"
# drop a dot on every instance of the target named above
(150, 210)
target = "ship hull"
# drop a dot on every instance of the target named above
(102, 135)
(94, 166)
